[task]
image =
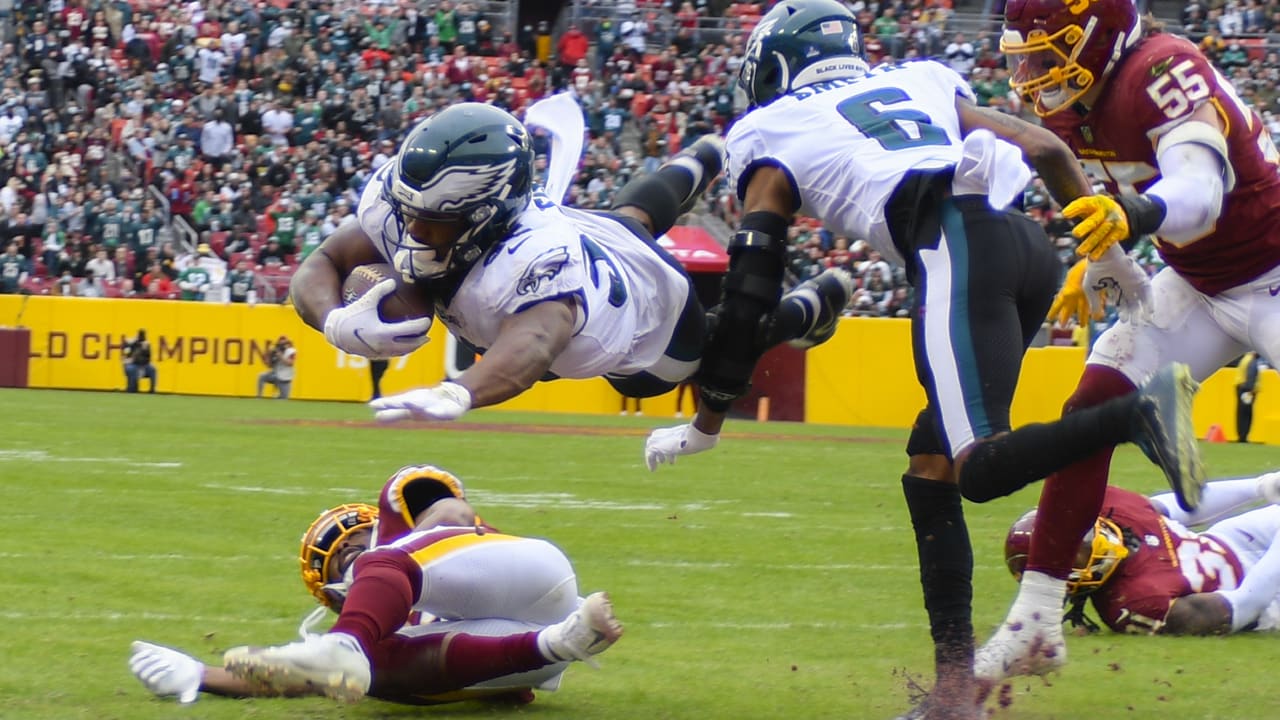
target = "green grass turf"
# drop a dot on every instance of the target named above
(772, 578)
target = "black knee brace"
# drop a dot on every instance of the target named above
(749, 293)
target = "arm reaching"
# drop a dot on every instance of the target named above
(528, 343)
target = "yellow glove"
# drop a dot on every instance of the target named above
(1072, 301)
(1102, 223)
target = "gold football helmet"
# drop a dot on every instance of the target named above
(1106, 548)
(1100, 553)
(324, 537)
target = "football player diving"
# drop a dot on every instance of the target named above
(1144, 571)
(902, 156)
(1186, 162)
(433, 606)
(540, 289)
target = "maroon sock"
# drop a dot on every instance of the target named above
(441, 663)
(386, 585)
(1072, 498)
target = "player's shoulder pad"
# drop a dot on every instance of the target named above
(1164, 79)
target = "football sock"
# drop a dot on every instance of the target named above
(1002, 464)
(946, 570)
(446, 662)
(1072, 498)
(380, 598)
(1069, 504)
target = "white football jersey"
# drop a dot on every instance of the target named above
(847, 143)
(629, 298)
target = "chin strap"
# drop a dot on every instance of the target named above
(312, 619)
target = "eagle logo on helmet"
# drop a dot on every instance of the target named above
(461, 186)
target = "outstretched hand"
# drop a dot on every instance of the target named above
(664, 445)
(165, 671)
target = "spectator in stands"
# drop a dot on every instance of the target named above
(217, 139)
(14, 269)
(240, 283)
(572, 47)
(281, 358)
(960, 55)
(272, 253)
(137, 363)
(155, 282)
(634, 32)
(100, 267)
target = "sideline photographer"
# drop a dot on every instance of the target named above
(281, 358)
(137, 362)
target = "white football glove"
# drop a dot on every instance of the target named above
(1121, 279)
(664, 445)
(446, 401)
(357, 329)
(166, 672)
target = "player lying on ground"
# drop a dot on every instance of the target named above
(542, 290)
(902, 156)
(1145, 571)
(499, 614)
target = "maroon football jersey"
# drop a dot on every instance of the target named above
(1158, 84)
(1170, 561)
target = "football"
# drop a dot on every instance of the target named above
(408, 302)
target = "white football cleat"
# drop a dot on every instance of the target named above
(332, 665)
(588, 631)
(1030, 640)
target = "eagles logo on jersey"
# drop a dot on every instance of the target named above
(544, 267)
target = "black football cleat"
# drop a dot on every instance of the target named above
(808, 315)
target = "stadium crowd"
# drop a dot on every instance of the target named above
(200, 150)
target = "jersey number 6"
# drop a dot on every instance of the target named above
(893, 129)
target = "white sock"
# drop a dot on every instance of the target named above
(1040, 590)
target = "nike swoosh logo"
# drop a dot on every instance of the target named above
(356, 332)
(1274, 290)
(511, 249)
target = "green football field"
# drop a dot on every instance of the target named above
(774, 577)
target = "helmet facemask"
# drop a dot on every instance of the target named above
(325, 542)
(1100, 554)
(417, 260)
(1045, 69)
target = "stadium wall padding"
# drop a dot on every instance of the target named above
(862, 376)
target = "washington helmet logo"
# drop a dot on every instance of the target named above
(463, 185)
